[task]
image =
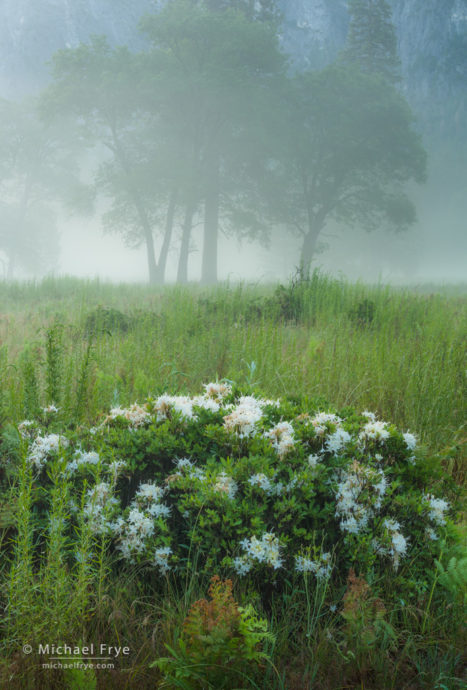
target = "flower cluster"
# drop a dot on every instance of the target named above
(224, 484)
(134, 532)
(324, 422)
(187, 468)
(212, 399)
(437, 507)
(82, 458)
(394, 544)
(270, 487)
(287, 477)
(358, 496)
(137, 415)
(43, 446)
(161, 558)
(265, 551)
(374, 431)
(100, 506)
(181, 404)
(50, 409)
(328, 426)
(410, 440)
(337, 441)
(217, 391)
(314, 460)
(27, 429)
(263, 482)
(321, 568)
(244, 416)
(282, 437)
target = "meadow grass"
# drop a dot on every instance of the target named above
(398, 352)
(86, 346)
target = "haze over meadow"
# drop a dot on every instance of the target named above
(430, 247)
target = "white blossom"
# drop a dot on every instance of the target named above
(42, 446)
(337, 441)
(242, 565)
(282, 437)
(398, 543)
(313, 461)
(262, 481)
(369, 415)
(438, 506)
(136, 414)
(180, 403)
(217, 391)
(265, 550)
(244, 416)
(321, 568)
(354, 483)
(226, 485)
(374, 431)
(322, 420)
(161, 558)
(206, 403)
(410, 440)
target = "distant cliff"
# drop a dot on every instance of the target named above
(32, 30)
(432, 37)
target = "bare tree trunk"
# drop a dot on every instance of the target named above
(211, 220)
(154, 276)
(308, 250)
(182, 272)
(120, 154)
(169, 223)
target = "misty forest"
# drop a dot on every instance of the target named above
(232, 344)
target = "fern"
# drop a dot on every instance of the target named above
(220, 642)
(453, 577)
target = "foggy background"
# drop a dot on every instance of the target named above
(312, 32)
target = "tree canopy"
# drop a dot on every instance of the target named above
(37, 172)
(206, 127)
(347, 155)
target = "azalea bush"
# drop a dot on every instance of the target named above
(261, 489)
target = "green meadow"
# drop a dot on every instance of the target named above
(317, 344)
(399, 352)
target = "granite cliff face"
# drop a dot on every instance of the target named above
(432, 37)
(32, 30)
(432, 41)
(313, 31)
(433, 48)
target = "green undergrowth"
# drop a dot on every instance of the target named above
(398, 352)
(321, 535)
(346, 590)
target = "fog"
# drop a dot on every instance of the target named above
(253, 199)
(435, 250)
(431, 252)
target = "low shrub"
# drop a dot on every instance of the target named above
(266, 490)
(106, 320)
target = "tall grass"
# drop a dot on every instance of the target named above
(398, 352)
